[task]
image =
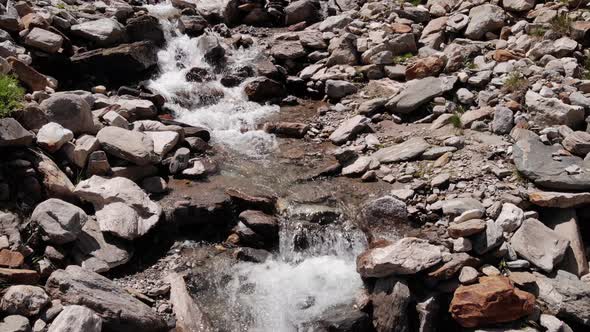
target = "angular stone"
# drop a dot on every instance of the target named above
(52, 136)
(390, 299)
(12, 134)
(518, 5)
(407, 256)
(539, 244)
(565, 296)
(408, 150)
(76, 318)
(28, 75)
(119, 310)
(288, 50)
(449, 269)
(419, 92)
(102, 32)
(19, 276)
(466, 228)
(349, 129)
(484, 18)
(492, 300)
(132, 146)
(69, 110)
(577, 143)
(79, 151)
(565, 224)
(488, 240)
(15, 323)
(125, 59)
(555, 199)
(164, 141)
(60, 221)
(122, 208)
(457, 206)
(510, 217)
(552, 111)
(189, 315)
(44, 40)
(11, 259)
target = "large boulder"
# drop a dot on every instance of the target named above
(484, 18)
(12, 134)
(382, 215)
(133, 146)
(552, 111)
(24, 300)
(406, 256)
(44, 40)
(60, 221)
(76, 318)
(418, 92)
(535, 160)
(390, 299)
(122, 208)
(69, 110)
(565, 296)
(125, 59)
(539, 244)
(102, 32)
(118, 309)
(493, 300)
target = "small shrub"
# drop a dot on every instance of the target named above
(402, 58)
(538, 32)
(11, 95)
(561, 23)
(456, 120)
(515, 82)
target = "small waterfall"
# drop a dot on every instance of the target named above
(226, 111)
(314, 269)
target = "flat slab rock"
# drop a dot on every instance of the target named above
(407, 256)
(119, 310)
(565, 296)
(555, 199)
(408, 150)
(534, 160)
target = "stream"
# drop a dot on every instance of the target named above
(296, 285)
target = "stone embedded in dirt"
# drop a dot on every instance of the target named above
(261, 223)
(539, 244)
(60, 221)
(552, 111)
(449, 269)
(510, 217)
(407, 256)
(383, 214)
(132, 146)
(12, 134)
(484, 18)
(52, 136)
(122, 208)
(76, 318)
(390, 299)
(421, 68)
(577, 143)
(492, 300)
(555, 199)
(348, 129)
(564, 223)
(565, 296)
(119, 310)
(99, 252)
(24, 300)
(69, 110)
(419, 92)
(15, 323)
(466, 228)
(189, 315)
(102, 32)
(408, 150)
(262, 89)
(335, 22)
(534, 160)
(470, 117)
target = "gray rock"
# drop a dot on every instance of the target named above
(349, 129)
(189, 314)
(12, 134)
(76, 318)
(539, 244)
(69, 110)
(552, 111)
(52, 136)
(24, 300)
(484, 18)
(15, 323)
(503, 120)
(565, 223)
(518, 5)
(79, 151)
(488, 240)
(358, 167)
(118, 309)
(407, 256)
(577, 143)
(44, 40)
(60, 221)
(468, 275)
(101, 32)
(383, 214)
(154, 185)
(122, 208)
(179, 161)
(419, 92)
(466, 228)
(457, 206)
(335, 22)
(510, 217)
(302, 11)
(288, 50)
(534, 160)
(390, 299)
(164, 141)
(337, 89)
(408, 150)
(132, 146)
(98, 252)
(565, 296)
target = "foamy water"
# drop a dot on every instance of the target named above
(232, 119)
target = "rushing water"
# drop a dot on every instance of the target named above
(295, 286)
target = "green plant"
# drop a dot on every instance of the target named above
(515, 82)
(587, 68)
(502, 266)
(455, 120)
(11, 95)
(561, 23)
(403, 57)
(61, 5)
(538, 32)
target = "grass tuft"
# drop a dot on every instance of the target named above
(515, 82)
(11, 95)
(561, 23)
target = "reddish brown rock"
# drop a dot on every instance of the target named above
(492, 300)
(29, 76)
(401, 28)
(287, 129)
(430, 66)
(19, 276)
(12, 259)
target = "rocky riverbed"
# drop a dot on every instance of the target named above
(307, 165)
